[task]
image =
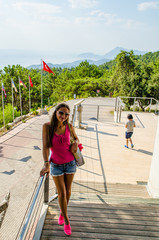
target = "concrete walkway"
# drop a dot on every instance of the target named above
(20, 164)
(120, 165)
(21, 158)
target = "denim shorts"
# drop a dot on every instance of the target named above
(60, 169)
(128, 135)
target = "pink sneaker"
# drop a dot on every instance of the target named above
(61, 220)
(67, 229)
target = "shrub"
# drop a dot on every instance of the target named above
(35, 112)
(8, 127)
(8, 114)
(136, 109)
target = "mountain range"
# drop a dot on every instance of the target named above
(91, 58)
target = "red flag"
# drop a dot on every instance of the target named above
(47, 69)
(21, 83)
(4, 90)
(31, 84)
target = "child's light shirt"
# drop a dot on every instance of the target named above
(130, 125)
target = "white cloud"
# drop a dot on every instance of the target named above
(147, 5)
(37, 8)
(100, 16)
(83, 20)
(32, 12)
(83, 3)
(108, 19)
(133, 25)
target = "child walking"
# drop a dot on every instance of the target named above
(130, 124)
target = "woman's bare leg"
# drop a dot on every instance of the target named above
(62, 196)
(68, 184)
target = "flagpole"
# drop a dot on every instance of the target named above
(29, 97)
(41, 86)
(12, 101)
(20, 97)
(3, 107)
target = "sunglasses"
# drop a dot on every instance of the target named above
(62, 113)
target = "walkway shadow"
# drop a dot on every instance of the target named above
(93, 118)
(90, 172)
(1, 155)
(102, 200)
(86, 137)
(8, 173)
(25, 159)
(90, 188)
(84, 145)
(91, 158)
(37, 148)
(143, 151)
(105, 133)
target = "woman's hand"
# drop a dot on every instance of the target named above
(45, 169)
(74, 147)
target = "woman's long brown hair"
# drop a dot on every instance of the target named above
(54, 123)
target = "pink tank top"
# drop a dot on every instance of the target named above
(60, 150)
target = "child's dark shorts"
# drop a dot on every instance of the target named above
(128, 135)
(60, 169)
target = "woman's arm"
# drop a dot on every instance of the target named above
(76, 142)
(45, 136)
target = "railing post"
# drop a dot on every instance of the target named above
(117, 109)
(79, 109)
(98, 113)
(120, 113)
(150, 105)
(115, 103)
(75, 109)
(74, 117)
(134, 104)
(73, 114)
(156, 107)
(46, 190)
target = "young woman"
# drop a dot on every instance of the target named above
(56, 136)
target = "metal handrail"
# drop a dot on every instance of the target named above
(118, 108)
(139, 97)
(119, 104)
(79, 102)
(33, 204)
(135, 98)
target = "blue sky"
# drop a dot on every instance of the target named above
(60, 30)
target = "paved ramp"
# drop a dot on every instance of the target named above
(21, 160)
